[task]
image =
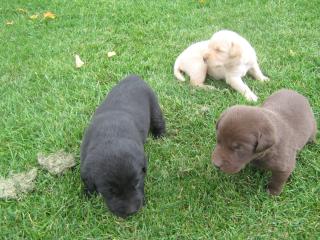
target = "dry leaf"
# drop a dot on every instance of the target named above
(79, 62)
(204, 109)
(111, 54)
(9, 22)
(17, 184)
(22, 10)
(49, 15)
(33, 17)
(292, 53)
(57, 162)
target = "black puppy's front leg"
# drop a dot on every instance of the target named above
(158, 125)
(89, 187)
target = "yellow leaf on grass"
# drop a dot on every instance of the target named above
(22, 10)
(79, 62)
(34, 16)
(292, 53)
(9, 22)
(49, 15)
(111, 54)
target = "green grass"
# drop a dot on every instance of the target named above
(46, 104)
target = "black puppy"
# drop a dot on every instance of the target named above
(113, 162)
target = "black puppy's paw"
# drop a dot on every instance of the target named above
(89, 189)
(158, 132)
(88, 193)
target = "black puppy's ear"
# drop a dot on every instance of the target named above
(266, 139)
(144, 167)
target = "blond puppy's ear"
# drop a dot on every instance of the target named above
(206, 55)
(235, 50)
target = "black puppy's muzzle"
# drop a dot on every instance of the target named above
(128, 209)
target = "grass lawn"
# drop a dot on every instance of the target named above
(46, 103)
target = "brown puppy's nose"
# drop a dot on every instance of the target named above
(217, 166)
(216, 161)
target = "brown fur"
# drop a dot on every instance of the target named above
(268, 136)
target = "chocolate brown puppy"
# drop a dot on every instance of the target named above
(268, 136)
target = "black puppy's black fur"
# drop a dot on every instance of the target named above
(113, 162)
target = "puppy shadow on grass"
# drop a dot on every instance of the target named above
(250, 182)
(213, 84)
(220, 86)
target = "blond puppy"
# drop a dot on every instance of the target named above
(227, 56)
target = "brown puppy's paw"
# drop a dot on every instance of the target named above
(274, 191)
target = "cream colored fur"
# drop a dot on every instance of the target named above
(226, 56)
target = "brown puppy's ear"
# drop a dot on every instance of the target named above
(217, 124)
(266, 139)
(235, 50)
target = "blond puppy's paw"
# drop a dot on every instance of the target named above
(209, 87)
(250, 96)
(264, 79)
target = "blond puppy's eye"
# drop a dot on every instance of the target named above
(219, 49)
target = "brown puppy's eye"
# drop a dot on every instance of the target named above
(236, 146)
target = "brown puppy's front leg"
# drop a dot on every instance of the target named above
(278, 179)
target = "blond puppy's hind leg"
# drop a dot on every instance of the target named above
(256, 73)
(198, 75)
(237, 84)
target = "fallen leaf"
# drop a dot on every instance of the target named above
(49, 15)
(33, 17)
(292, 53)
(204, 109)
(202, 1)
(9, 22)
(56, 163)
(22, 10)
(79, 62)
(111, 54)
(18, 184)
